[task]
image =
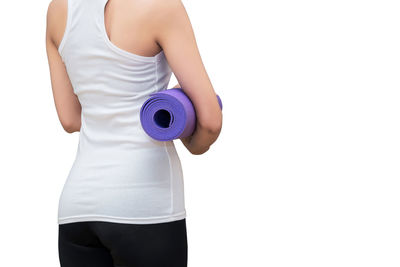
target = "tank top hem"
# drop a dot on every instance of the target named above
(105, 218)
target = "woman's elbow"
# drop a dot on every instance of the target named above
(213, 129)
(70, 127)
(213, 124)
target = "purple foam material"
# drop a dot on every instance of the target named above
(169, 115)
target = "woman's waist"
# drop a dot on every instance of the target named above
(140, 165)
(112, 138)
(117, 141)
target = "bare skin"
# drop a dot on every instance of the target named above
(143, 27)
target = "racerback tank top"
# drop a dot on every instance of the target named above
(120, 174)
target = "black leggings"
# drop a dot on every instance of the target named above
(107, 244)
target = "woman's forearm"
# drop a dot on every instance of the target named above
(202, 138)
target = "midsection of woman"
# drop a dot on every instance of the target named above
(120, 174)
(144, 185)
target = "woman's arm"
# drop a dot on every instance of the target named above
(67, 104)
(174, 33)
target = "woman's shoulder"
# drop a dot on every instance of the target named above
(57, 19)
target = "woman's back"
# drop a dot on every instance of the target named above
(120, 174)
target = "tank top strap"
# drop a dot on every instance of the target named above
(85, 22)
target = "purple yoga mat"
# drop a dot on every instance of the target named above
(169, 115)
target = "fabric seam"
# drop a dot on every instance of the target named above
(171, 190)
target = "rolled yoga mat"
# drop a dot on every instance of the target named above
(169, 115)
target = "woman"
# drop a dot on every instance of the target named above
(123, 201)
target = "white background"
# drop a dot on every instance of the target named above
(306, 170)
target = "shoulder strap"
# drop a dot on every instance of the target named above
(85, 21)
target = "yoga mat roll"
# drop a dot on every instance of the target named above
(169, 115)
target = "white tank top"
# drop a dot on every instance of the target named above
(120, 174)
